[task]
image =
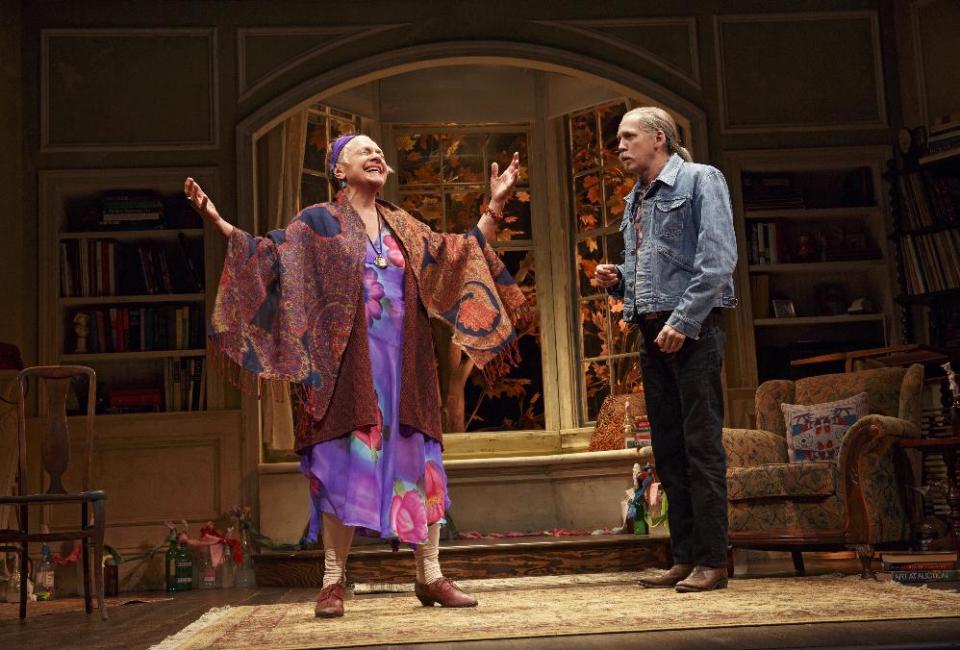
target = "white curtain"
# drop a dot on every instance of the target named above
(281, 165)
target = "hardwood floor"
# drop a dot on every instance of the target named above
(142, 625)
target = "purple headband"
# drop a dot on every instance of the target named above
(338, 146)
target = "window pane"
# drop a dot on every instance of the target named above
(516, 218)
(341, 127)
(427, 207)
(313, 189)
(624, 338)
(589, 254)
(598, 186)
(584, 142)
(418, 159)
(463, 210)
(588, 202)
(593, 323)
(315, 151)
(595, 387)
(516, 401)
(616, 187)
(609, 123)
(443, 181)
(614, 250)
(626, 375)
(462, 158)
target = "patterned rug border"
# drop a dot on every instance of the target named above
(224, 618)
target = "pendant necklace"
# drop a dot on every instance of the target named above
(380, 261)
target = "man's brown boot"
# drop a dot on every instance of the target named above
(675, 574)
(704, 578)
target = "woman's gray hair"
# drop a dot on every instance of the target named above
(652, 119)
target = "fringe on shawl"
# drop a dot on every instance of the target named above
(249, 383)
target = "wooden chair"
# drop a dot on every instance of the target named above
(55, 454)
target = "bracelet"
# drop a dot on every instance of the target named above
(496, 214)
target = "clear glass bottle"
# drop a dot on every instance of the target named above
(245, 578)
(43, 577)
(207, 574)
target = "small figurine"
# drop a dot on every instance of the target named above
(80, 321)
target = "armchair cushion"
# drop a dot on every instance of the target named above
(782, 480)
(748, 447)
(815, 432)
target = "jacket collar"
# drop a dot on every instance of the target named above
(667, 176)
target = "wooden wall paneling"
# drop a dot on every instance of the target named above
(94, 80)
(265, 54)
(155, 467)
(935, 31)
(779, 72)
(669, 43)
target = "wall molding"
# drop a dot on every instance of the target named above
(916, 6)
(48, 146)
(594, 29)
(340, 36)
(871, 16)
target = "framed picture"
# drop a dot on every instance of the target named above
(783, 308)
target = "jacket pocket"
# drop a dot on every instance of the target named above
(670, 216)
(673, 273)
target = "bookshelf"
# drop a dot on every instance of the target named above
(126, 285)
(816, 274)
(925, 195)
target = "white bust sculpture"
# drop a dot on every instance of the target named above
(80, 328)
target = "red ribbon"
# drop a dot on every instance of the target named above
(215, 541)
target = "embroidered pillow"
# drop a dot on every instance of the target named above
(814, 432)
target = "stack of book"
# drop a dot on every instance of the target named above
(133, 400)
(639, 434)
(921, 566)
(935, 423)
(131, 209)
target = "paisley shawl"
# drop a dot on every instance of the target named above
(287, 302)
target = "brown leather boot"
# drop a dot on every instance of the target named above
(675, 574)
(444, 592)
(330, 601)
(704, 578)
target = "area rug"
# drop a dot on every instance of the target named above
(546, 607)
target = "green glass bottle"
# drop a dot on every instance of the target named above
(184, 571)
(170, 565)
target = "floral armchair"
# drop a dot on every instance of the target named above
(856, 500)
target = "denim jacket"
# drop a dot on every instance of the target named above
(688, 250)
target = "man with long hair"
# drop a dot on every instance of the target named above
(677, 277)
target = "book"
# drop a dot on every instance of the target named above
(920, 566)
(902, 557)
(949, 575)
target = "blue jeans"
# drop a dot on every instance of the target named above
(684, 398)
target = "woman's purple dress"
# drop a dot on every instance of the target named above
(386, 480)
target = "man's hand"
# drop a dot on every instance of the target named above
(607, 275)
(669, 340)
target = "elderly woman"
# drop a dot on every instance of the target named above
(339, 303)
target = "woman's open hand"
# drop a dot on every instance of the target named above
(205, 207)
(502, 184)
